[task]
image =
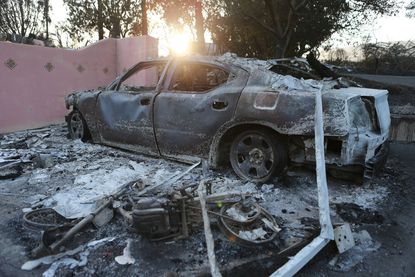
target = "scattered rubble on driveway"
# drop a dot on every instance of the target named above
(70, 176)
(62, 258)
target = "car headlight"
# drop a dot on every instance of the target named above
(69, 100)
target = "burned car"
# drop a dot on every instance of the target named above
(237, 111)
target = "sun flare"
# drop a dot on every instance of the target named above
(179, 44)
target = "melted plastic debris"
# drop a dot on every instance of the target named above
(64, 259)
(237, 214)
(253, 235)
(126, 257)
(271, 225)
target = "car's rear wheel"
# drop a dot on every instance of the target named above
(77, 126)
(258, 155)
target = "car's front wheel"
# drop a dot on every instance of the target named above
(258, 155)
(77, 126)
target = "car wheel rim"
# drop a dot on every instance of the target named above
(254, 156)
(77, 126)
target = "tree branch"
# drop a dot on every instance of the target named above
(266, 27)
(274, 18)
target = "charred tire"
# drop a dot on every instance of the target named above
(258, 155)
(77, 126)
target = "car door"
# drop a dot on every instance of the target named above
(125, 109)
(198, 99)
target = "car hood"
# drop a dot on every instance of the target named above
(73, 98)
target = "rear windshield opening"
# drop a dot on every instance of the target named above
(295, 72)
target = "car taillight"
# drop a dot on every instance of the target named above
(371, 109)
(359, 115)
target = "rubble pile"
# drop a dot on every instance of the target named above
(42, 169)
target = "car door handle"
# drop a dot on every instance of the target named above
(219, 104)
(145, 101)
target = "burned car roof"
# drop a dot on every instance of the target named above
(271, 77)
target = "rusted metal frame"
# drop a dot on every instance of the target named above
(326, 233)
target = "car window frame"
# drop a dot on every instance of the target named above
(172, 71)
(115, 85)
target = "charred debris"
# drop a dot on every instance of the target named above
(154, 206)
(161, 217)
(168, 208)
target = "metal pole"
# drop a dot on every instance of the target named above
(214, 269)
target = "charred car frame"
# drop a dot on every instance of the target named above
(231, 110)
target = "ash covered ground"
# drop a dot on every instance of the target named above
(67, 175)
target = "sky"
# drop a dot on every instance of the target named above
(384, 29)
(390, 28)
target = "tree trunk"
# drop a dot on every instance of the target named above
(144, 24)
(200, 31)
(22, 20)
(100, 21)
(280, 48)
(115, 27)
(46, 16)
(279, 52)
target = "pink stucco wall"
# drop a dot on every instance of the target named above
(32, 92)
